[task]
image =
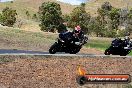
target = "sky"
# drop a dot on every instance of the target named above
(73, 2)
(5, 0)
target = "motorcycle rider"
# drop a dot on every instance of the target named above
(69, 42)
(76, 34)
(127, 41)
(120, 46)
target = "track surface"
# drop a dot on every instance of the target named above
(24, 52)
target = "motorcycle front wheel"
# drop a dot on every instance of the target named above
(53, 48)
(107, 52)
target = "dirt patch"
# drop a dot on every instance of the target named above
(91, 51)
(58, 72)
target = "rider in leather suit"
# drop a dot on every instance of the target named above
(76, 35)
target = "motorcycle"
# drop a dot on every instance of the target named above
(65, 44)
(119, 47)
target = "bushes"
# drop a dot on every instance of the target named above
(50, 16)
(110, 33)
(7, 17)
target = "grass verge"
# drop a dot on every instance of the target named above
(12, 38)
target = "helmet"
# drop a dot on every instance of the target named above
(77, 29)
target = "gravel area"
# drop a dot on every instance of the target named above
(58, 72)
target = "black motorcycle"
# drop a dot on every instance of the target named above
(119, 47)
(66, 44)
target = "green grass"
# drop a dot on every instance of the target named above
(98, 43)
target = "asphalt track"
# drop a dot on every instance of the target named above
(24, 52)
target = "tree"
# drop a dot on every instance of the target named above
(129, 20)
(80, 17)
(11, 2)
(103, 12)
(96, 27)
(7, 17)
(83, 5)
(64, 24)
(50, 16)
(106, 6)
(109, 19)
(114, 16)
(62, 28)
(130, 14)
(66, 18)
